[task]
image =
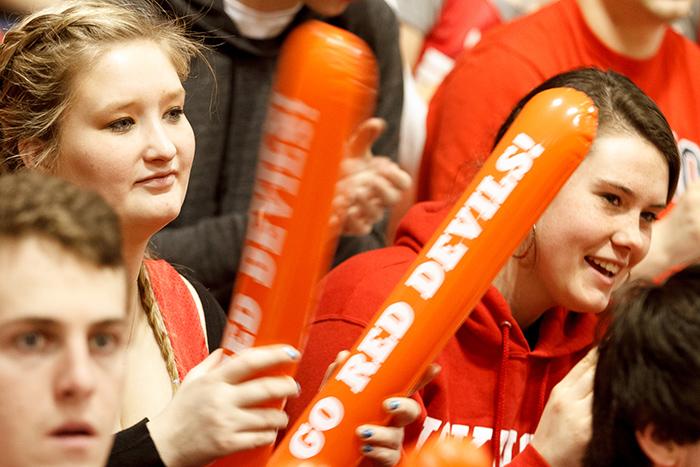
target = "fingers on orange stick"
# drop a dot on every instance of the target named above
(325, 87)
(544, 145)
(448, 452)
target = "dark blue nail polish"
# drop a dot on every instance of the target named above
(366, 433)
(292, 352)
(393, 405)
(367, 448)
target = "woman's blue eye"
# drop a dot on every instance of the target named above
(121, 125)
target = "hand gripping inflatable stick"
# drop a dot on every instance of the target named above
(544, 145)
(325, 87)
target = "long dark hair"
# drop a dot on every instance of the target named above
(622, 107)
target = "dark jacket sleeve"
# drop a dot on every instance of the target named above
(134, 447)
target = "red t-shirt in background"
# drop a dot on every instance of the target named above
(511, 59)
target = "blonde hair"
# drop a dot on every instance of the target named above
(39, 61)
(155, 320)
(42, 55)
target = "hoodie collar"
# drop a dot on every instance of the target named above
(562, 332)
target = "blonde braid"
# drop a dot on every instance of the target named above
(155, 320)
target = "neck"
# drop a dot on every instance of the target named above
(523, 291)
(624, 26)
(268, 6)
(134, 252)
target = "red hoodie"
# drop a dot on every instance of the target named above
(491, 381)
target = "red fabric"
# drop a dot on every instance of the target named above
(462, 400)
(457, 19)
(500, 392)
(180, 315)
(511, 59)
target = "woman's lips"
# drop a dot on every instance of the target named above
(160, 181)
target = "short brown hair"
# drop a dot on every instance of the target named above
(32, 203)
(648, 371)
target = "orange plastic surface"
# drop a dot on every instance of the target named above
(325, 87)
(448, 452)
(545, 144)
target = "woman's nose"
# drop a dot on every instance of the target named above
(160, 145)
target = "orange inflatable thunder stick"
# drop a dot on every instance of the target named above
(325, 87)
(544, 145)
(448, 452)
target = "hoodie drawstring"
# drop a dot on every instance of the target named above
(543, 390)
(500, 392)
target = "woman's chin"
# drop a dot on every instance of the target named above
(149, 225)
(595, 306)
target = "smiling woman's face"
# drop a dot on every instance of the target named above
(125, 135)
(599, 225)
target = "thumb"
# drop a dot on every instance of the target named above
(205, 365)
(361, 141)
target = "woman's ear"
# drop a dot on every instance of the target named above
(29, 150)
(660, 453)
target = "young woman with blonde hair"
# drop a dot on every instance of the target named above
(92, 92)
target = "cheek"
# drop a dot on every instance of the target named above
(639, 255)
(187, 148)
(100, 167)
(21, 396)
(183, 138)
(104, 175)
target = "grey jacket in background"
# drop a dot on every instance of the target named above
(227, 116)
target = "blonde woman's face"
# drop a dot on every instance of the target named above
(126, 136)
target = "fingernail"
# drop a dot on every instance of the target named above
(366, 448)
(393, 405)
(366, 433)
(292, 352)
(298, 387)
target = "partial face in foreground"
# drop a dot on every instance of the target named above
(62, 337)
(668, 453)
(667, 10)
(126, 136)
(599, 225)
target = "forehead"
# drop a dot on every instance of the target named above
(135, 68)
(39, 279)
(628, 160)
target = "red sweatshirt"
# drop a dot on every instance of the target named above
(491, 380)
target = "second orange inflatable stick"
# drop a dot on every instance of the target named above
(543, 146)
